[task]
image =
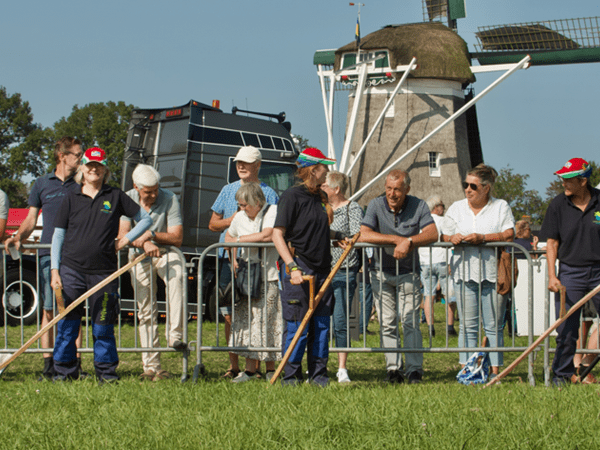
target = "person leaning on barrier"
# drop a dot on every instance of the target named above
(302, 224)
(347, 217)
(83, 254)
(47, 195)
(247, 164)
(523, 237)
(572, 229)
(4, 207)
(259, 325)
(434, 266)
(404, 221)
(477, 219)
(166, 230)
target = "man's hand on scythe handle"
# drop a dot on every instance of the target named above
(70, 308)
(313, 303)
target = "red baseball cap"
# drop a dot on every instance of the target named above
(575, 167)
(94, 154)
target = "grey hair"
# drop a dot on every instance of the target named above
(252, 194)
(145, 176)
(486, 174)
(434, 201)
(397, 174)
(337, 179)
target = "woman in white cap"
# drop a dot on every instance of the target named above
(84, 254)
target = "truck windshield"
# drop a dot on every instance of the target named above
(279, 176)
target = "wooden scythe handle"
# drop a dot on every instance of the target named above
(544, 335)
(312, 306)
(70, 308)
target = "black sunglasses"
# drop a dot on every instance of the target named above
(473, 186)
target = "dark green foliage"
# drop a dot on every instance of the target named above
(101, 125)
(22, 147)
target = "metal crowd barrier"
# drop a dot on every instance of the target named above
(522, 302)
(21, 306)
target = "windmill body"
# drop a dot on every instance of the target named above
(389, 119)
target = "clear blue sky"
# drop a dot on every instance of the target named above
(258, 55)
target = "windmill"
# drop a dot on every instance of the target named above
(418, 114)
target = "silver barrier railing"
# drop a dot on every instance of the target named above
(21, 305)
(494, 247)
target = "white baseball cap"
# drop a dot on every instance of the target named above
(248, 154)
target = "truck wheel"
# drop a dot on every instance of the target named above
(21, 299)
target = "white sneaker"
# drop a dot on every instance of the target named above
(342, 376)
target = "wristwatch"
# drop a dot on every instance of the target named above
(411, 241)
(153, 234)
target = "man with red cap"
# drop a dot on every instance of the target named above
(572, 229)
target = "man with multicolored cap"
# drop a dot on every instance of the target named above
(572, 230)
(302, 223)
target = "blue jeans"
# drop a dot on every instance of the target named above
(493, 307)
(365, 299)
(343, 304)
(578, 281)
(45, 288)
(224, 279)
(431, 275)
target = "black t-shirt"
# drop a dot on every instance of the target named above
(577, 231)
(92, 225)
(304, 217)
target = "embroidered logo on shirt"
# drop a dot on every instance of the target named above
(597, 217)
(106, 206)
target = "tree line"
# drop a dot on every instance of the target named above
(27, 148)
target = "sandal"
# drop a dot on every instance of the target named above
(162, 375)
(231, 373)
(147, 376)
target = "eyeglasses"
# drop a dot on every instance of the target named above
(76, 155)
(473, 186)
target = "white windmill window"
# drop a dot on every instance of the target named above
(434, 164)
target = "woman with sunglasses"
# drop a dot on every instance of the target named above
(478, 219)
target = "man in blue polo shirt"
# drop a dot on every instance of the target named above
(572, 229)
(47, 195)
(404, 221)
(247, 163)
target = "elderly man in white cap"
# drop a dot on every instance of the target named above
(247, 163)
(166, 230)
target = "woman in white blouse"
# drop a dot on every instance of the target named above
(478, 219)
(257, 323)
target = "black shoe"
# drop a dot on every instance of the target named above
(452, 331)
(48, 371)
(560, 381)
(178, 345)
(415, 378)
(108, 381)
(394, 376)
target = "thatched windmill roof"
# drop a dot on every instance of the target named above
(440, 52)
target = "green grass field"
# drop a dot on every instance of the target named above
(365, 414)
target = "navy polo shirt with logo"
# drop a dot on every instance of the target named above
(47, 194)
(577, 231)
(304, 217)
(409, 221)
(91, 225)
